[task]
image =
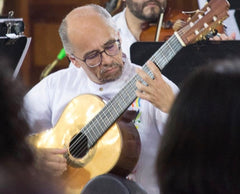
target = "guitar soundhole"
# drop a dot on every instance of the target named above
(79, 145)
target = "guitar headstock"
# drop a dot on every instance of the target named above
(204, 21)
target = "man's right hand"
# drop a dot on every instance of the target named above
(51, 160)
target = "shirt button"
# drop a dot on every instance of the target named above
(100, 89)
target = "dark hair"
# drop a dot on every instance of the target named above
(14, 179)
(200, 148)
(17, 159)
(13, 124)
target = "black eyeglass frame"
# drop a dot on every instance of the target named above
(100, 54)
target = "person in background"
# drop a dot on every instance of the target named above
(199, 152)
(14, 128)
(93, 44)
(131, 20)
(18, 173)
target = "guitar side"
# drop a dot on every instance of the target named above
(117, 151)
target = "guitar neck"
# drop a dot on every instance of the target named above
(115, 108)
(166, 52)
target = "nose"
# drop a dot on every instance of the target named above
(105, 59)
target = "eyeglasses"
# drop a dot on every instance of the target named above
(95, 58)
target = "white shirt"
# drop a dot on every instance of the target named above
(46, 101)
(127, 38)
(230, 22)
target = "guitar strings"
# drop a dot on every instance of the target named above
(95, 122)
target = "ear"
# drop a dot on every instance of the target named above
(73, 60)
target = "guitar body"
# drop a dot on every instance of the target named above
(117, 151)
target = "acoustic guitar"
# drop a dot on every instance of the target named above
(98, 141)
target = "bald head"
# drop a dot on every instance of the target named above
(81, 21)
(87, 10)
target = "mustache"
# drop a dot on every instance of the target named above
(152, 1)
(107, 66)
